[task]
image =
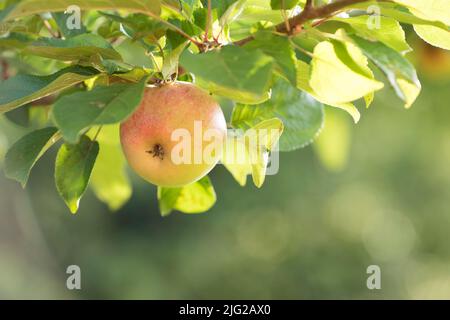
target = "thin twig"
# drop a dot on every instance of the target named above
(208, 22)
(285, 18)
(150, 54)
(53, 33)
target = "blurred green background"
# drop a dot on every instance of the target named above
(310, 232)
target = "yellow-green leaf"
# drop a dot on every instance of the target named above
(390, 31)
(248, 153)
(433, 10)
(337, 81)
(196, 197)
(434, 35)
(303, 76)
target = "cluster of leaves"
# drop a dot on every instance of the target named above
(278, 63)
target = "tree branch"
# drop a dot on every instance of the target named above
(309, 13)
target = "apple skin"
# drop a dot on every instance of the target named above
(146, 136)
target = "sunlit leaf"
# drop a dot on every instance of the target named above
(434, 36)
(236, 158)
(336, 80)
(197, 197)
(247, 152)
(303, 76)
(399, 71)
(433, 10)
(387, 30)
(266, 134)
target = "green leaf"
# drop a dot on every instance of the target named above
(221, 6)
(339, 81)
(15, 40)
(301, 114)
(193, 198)
(283, 4)
(390, 31)
(248, 153)
(170, 63)
(74, 164)
(236, 158)
(232, 12)
(254, 12)
(434, 36)
(102, 105)
(279, 48)
(399, 13)
(134, 75)
(303, 77)
(23, 154)
(135, 54)
(22, 89)
(78, 48)
(167, 197)
(232, 72)
(137, 26)
(30, 7)
(399, 71)
(109, 179)
(266, 134)
(433, 10)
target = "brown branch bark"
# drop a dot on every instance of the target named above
(309, 13)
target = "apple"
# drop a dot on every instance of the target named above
(175, 136)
